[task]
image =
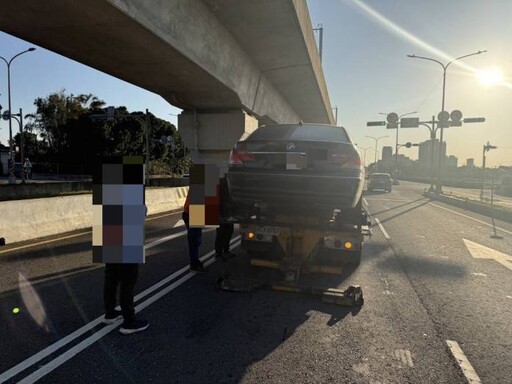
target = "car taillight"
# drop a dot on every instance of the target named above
(239, 155)
(347, 160)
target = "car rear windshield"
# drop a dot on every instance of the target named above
(300, 133)
(380, 177)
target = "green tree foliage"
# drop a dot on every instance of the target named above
(74, 131)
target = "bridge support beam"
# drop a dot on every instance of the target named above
(211, 136)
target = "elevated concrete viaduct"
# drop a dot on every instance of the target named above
(231, 65)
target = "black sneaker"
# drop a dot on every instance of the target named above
(134, 326)
(199, 268)
(110, 318)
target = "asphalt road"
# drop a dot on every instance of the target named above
(434, 312)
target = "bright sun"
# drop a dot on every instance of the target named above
(490, 76)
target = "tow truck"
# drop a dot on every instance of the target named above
(298, 246)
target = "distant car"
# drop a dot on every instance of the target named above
(309, 168)
(379, 181)
(396, 182)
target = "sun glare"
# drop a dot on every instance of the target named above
(490, 76)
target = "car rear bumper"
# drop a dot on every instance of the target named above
(295, 191)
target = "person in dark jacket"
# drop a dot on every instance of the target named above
(225, 231)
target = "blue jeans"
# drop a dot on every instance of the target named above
(194, 237)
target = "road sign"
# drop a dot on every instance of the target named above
(392, 118)
(375, 123)
(456, 115)
(474, 119)
(409, 122)
(392, 126)
(6, 115)
(443, 116)
(455, 123)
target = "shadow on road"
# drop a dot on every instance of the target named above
(404, 212)
(400, 206)
(416, 265)
(373, 193)
(198, 333)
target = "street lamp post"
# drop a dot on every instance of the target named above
(486, 148)
(364, 153)
(12, 178)
(445, 67)
(432, 128)
(396, 142)
(376, 141)
(22, 143)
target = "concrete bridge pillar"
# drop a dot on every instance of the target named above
(211, 136)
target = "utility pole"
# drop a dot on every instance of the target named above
(443, 123)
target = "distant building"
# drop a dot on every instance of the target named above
(452, 161)
(425, 152)
(470, 163)
(387, 154)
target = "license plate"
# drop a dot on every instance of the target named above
(296, 161)
(267, 230)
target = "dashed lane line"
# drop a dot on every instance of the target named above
(386, 235)
(91, 325)
(463, 362)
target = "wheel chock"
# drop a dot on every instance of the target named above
(350, 297)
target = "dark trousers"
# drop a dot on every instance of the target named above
(194, 238)
(124, 276)
(223, 237)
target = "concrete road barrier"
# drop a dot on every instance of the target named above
(28, 219)
(473, 206)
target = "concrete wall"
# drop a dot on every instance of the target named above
(32, 218)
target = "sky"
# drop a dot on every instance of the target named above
(365, 65)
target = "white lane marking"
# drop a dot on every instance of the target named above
(471, 218)
(382, 229)
(509, 297)
(86, 328)
(365, 201)
(58, 361)
(403, 355)
(70, 353)
(478, 274)
(479, 251)
(463, 362)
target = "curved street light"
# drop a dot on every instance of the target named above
(445, 67)
(12, 178)
(376, 141)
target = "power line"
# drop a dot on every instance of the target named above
(430, 94)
